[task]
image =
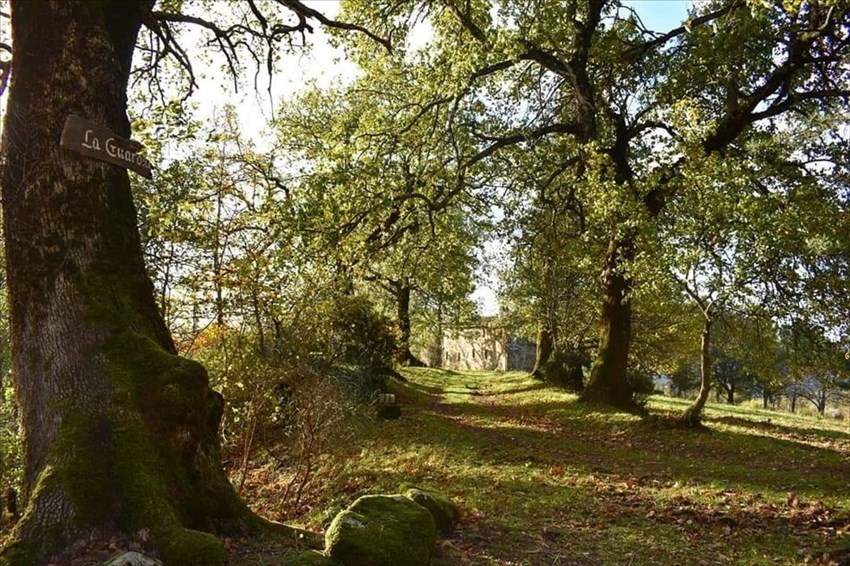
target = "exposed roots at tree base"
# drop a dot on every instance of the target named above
(616, 400)
(692, 418)
(142, 463)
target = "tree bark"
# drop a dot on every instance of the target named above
(608, 381)
(544, 350)
(730, 394)
(119, 433)
(403, 354)
(693, 414)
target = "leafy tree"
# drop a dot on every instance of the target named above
(636, 111)
(368, 186)
(816, 365)
(544, 284)
(119, 432)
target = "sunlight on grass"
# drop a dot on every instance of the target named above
(545, 480)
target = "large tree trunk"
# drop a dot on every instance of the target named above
(544, 350)
(693, 414)
(120, 434)
(403, 355)
(608, 381)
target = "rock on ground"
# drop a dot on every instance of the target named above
(382, 530)
(132, 559)
(442, 509)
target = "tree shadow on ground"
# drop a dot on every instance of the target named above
(554, 433)
(769, 426)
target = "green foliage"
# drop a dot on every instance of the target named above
(11, 464)
(359, 335)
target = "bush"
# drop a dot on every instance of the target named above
(293, 386)
(321, 419)
(642, 385)
(360, 336)
(566, 368)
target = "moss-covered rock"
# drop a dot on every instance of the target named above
(442, 509)
(382, 530)
(132, 559)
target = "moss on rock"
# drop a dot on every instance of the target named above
(442, 509)
(382, 530)
(190, 548)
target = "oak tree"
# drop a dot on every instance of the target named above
(119, 433)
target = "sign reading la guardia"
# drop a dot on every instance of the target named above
(91, 140)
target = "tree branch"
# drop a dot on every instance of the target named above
(230, 40)
(304, 11)
(502, 142)
(638, 52)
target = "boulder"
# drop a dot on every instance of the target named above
(382, 530)
(442, 509)
(132, 559)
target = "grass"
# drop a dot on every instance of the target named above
(544, 480)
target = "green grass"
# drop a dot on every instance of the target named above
(544, 480)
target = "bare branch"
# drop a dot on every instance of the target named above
(304, 11)
(639, 51)
(257, 38)
(652, 125)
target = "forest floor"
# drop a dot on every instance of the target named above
(545, 480)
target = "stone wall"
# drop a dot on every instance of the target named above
(487, 347)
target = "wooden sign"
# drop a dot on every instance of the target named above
(90, 140)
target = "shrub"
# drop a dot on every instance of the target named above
(566, 368)
(360, 336)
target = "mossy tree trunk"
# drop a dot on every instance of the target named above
(608, 381)
(120, 434)
(402, 290)
(544, 350)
